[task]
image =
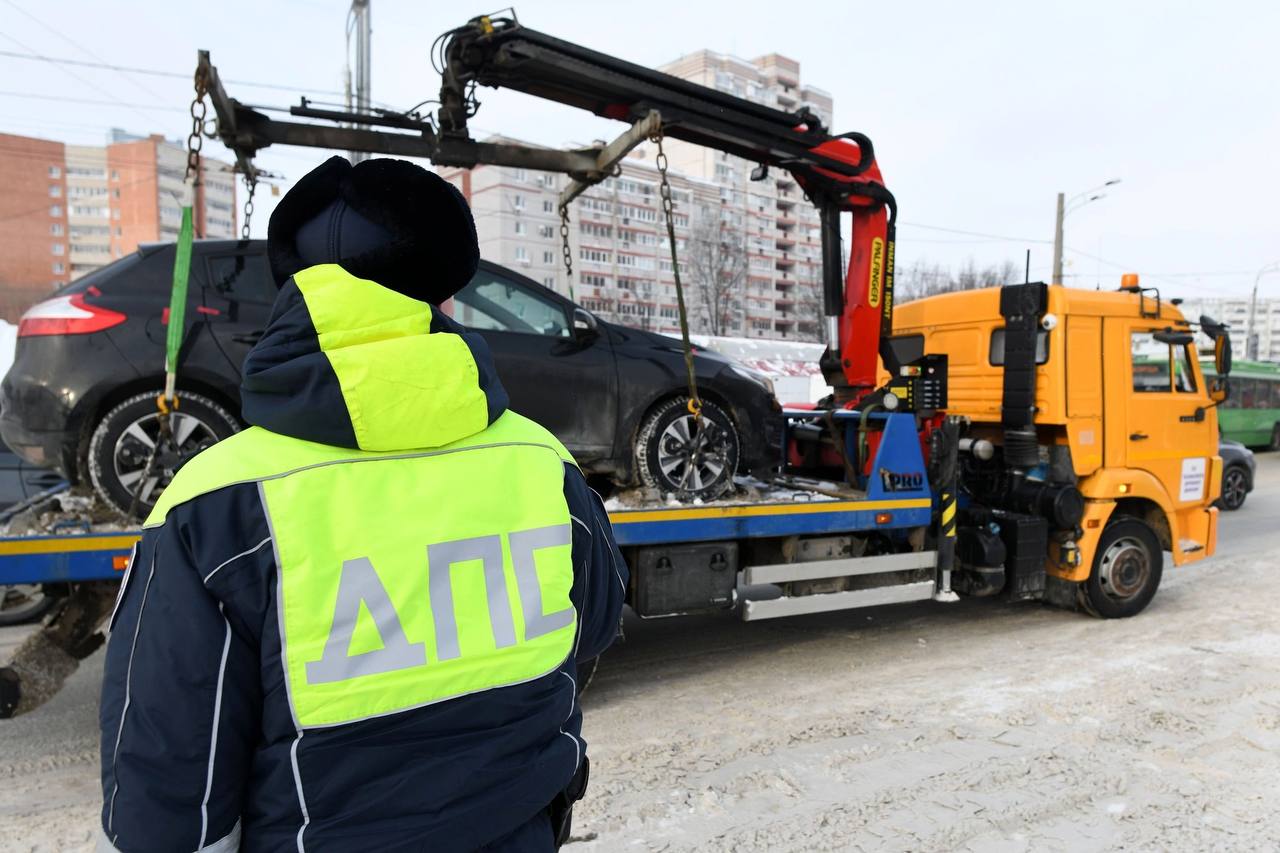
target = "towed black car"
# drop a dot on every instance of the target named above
(81, 394)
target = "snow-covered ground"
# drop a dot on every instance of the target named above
(972, 726)
(8, 342)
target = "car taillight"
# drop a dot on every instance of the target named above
(67, 315)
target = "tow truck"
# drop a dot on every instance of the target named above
(1028, 468)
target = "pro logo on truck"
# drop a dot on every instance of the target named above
(877, 272)
(895, 482)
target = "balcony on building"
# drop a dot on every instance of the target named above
(785, 242)
(786, 222)
(784, 263)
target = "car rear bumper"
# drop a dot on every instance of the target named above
(51, 389)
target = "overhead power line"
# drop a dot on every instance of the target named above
(154, 72)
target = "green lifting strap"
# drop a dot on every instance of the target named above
(178, 296)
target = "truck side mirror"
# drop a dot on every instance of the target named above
(1219, 389)
(1222, 353)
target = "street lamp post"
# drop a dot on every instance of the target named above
(1064, 208)
(1251, 338)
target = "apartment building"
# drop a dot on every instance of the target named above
(618, 238)
(617, 235)
(69, 209)
(1234, 311)
(781, 226)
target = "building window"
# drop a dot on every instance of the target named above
(517, 201)
(55, 191)
(520, 227)
(119, 231)
(55, 210)
(522, 176)
(56, 229)
(59, 248)
(548, 257)
(549, 281)
(55, 172)
(522, 254)
(548, 206)
(58, 268)
(115, 176)
(115, 214)
(546, 231)
(116, 192)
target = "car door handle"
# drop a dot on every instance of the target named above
(247, 337)
(1138, 436)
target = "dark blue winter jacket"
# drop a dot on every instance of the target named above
(201, 747)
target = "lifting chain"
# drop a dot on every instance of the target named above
(251, 186)
(195, 139)
(668, 210)
(564, 246)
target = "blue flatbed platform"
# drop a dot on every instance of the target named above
(103, 556)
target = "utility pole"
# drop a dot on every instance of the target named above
(1066, 206)
(1057, 241)
(359, 22)
(1251, 337)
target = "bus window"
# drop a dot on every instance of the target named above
(1248, 393)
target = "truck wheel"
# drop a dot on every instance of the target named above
(1235, 488)
(123, 440)
(1275, 437)
(1127, 567)
(23, 603)
(675, 461)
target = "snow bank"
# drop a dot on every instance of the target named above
(792, 365)
(8, 341)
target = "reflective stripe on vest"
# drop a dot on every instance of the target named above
(407, 578)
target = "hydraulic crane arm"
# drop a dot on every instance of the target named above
(837, 172)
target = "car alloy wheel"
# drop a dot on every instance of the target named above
(684, 456)
(127, 437)
(1235, 487)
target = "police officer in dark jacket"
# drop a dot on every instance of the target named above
(356, 624)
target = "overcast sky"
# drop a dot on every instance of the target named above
(980, 111)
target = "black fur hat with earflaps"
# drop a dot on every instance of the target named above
(390, 221)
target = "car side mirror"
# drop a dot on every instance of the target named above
(585, 325)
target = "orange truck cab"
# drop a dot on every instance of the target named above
(1121, 409)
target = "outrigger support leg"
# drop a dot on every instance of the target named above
(49, 656)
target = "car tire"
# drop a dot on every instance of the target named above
(1127, 566)
(1235, 487)
(668, 459)
(1275, 437)
(122, 440)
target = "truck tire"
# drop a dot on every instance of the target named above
(24, 603)
(1127, 567)
(1275, 437)
(668, 460)
(121, 442)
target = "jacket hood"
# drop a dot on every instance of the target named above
(347, 362)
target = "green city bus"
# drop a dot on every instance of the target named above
(1251, 413)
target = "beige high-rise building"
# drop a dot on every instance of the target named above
(782, 229)
(618, 237)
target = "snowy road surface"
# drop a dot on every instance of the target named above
(973, 726)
